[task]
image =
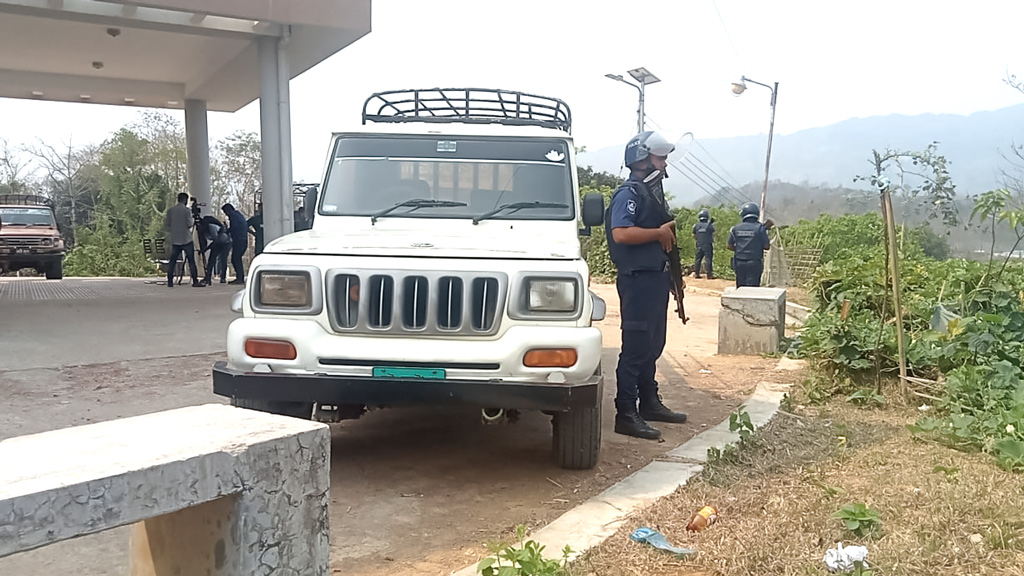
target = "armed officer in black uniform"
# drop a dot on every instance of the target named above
(704, 235)
(749, 241)
(640, 229)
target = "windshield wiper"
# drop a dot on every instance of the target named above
(517, 206)
(415, 204)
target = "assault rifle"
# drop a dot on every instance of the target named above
(675, 271)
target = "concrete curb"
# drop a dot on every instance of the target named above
(594, 521)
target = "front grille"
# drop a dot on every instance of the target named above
(22, 241)
(400, 302)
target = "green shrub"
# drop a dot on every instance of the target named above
(963, 326)
(102, 252)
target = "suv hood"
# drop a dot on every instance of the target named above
(41, 231)
(501, 241)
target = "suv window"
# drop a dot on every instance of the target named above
(369, 174)
(26, 217)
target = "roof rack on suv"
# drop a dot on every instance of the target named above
(26, 200)
(473, 105)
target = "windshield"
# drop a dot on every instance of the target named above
(26, 217)
(470, 176)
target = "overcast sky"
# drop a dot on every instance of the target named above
(834, 60)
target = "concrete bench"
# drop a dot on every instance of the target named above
(751, 321)
(209, 490)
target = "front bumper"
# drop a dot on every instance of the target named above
(8, 256)
(333, 390)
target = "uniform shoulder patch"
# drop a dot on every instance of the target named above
(631, 206)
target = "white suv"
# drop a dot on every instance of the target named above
(443, 266)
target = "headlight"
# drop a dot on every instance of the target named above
(285, 289)
(551, 295)
(46, 242)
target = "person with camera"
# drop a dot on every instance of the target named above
(704, 235)
(178, 225)
(216, 236)
(749, 241)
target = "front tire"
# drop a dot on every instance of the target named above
(576, 438)
(55, 271)
(301, 410)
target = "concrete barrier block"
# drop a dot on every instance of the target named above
(211, 490)
(751, 320)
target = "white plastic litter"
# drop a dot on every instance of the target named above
(842, 559)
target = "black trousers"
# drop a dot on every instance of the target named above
(706, 253)
(748, 272)
(238, 248)
(643, 304)
(216, 262)
(189, 251)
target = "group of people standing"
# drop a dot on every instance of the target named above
(220, 239)
(640, 229)
(748, 241)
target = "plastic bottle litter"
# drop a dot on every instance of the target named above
(840, 559)
(704, 517)
(645, 535)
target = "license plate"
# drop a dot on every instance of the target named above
(414, 373)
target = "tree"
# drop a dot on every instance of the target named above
(15, 178)
(70, 180)
(235, 170)
(167, 151)
(133, 193)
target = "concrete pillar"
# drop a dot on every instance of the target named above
(197, 149)
(275, 136)
(751, 321)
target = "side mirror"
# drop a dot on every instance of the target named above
(593, 210)
(309, 205)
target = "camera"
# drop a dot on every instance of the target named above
(197, 212)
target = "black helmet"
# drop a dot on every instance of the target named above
(645, 144)
(750, 210)
(703, 215)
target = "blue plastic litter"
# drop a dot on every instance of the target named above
(645, 535)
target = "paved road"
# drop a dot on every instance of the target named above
(414, 491)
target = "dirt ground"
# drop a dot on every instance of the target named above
(414, 491)
(940, 511)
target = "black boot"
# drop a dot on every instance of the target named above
(652, 409)
(630, 424)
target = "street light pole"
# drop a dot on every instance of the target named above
(643, 78)
(738, 88)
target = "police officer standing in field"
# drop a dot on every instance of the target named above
(704, 235)
(640, 230)
(749, 241)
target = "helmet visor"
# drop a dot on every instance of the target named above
(658, 145)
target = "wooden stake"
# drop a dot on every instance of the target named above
(894, 271)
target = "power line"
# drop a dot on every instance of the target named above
(715, 160)
(728, 36)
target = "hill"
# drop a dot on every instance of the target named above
(830, 156)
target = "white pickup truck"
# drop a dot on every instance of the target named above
(443, 266)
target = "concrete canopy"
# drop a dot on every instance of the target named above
(160, 53)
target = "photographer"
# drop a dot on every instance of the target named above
(213, 232)
(178, 225)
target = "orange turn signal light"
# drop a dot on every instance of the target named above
(273, 349)
(550, 358)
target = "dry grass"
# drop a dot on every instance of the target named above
(776, 501)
